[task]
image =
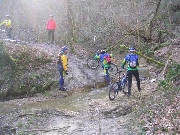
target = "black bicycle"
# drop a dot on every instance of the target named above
(25, 34)
(5, 131)
(3, 34)
(120, 85)
(94, 63)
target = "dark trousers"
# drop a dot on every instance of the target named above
(9, 32)
(136, 75)
(51, 36)
(107, 77)
(61, 79)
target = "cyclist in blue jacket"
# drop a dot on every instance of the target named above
(101, 55)
(133, 62)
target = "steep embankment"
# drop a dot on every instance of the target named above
(79, 74)
(35, 71)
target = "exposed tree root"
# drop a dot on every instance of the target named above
(45, 130)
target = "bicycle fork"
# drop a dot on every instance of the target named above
(123, 81)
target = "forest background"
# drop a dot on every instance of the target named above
(107, 22)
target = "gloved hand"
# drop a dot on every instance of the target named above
(66, 72)
(122, 67)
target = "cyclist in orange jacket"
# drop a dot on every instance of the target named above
(51, 27)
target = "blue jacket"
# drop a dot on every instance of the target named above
(126, 60)
(101, 58)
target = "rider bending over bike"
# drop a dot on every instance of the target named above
(133, 62)
(102, 55)
(7, 23)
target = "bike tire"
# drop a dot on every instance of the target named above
(5, 131)
(32, 37)
(113, 69)
(125, 87)
(113, 91)
(92, 63)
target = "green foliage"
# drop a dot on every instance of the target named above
(15, 64)
(21, 133)
(154, 107)
(38, 88)
(20, 124)
(6, 60)
(174, 70)
(146, 50)
(25, 59)
(143, 131)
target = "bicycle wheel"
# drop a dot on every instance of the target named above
(92, 63)
(5, 131)
(32, 37)
(125, 87)
(113, 69)
(113, 92)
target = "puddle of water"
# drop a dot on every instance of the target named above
(75, 102)
(5, 108)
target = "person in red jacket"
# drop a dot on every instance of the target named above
(51, 27)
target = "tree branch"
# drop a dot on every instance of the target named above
(146, 57)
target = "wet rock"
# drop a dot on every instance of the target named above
(144, 71)
(117, 111)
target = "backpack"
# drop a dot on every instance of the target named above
(133, 61)
(108, 59)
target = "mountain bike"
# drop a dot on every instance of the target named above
(5, 131)
(3, 34)
(25, 34)
(120, 85)
(94, 63)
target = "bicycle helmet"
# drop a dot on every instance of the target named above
(7, 15)
(131, 49)
(64, 48)
(102, 51)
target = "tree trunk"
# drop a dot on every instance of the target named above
(149, 30)
(70, 21)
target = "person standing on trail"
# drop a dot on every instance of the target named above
(7, 23)
(62, 64)
(105, 58)
(132, 69)
(51, 27)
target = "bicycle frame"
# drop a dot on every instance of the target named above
(25, 34)
(3, 34)
(118, 86)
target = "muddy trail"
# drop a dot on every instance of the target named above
(84, 109)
